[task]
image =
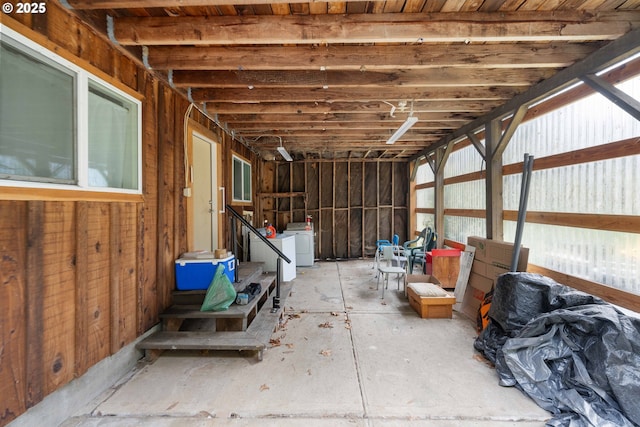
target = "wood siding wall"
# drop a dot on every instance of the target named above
(81, 276)
(353, 203)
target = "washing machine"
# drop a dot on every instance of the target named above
(305, 243)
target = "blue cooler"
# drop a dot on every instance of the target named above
(196, 274)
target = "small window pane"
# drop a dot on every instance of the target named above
(113, 139)
(237, 179)
(246, 184)
(37, 111)
(241, 180)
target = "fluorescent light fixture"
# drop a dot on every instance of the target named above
(284, 153)
(411, 120)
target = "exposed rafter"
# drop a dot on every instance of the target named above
(473, 27)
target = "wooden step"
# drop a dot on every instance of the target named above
(255, 339)
(235, 318)
(248, 272)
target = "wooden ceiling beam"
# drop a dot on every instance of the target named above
(316, 143)
(460, 106)
(344, 134)
(355, 94)
(129, 4)
(345, 117)
(441, 77)
(423, 56)
(468, 27)
(264, 127)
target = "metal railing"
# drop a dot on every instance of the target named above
(236, 216)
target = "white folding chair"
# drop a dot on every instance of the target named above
(385, 261)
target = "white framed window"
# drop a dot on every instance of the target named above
(241, 170)
(63, 127)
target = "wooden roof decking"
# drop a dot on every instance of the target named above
(335, 79)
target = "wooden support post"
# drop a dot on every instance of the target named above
(362, 197)
(333, 210)
(494, 229)
(442, 154)
(349, 209)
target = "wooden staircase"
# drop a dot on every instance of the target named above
(241, 327)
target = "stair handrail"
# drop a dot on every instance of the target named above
(257, 233)
(281, 256)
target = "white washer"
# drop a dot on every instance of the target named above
(260, 252)
(305, 243)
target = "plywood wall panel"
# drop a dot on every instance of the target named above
(126, 71)
(63, 29)
(58, 292)
(34, 301)
(166, 194)
(97, 308)
(96, 51)
(147, 212)
(13, 217)
(123, 275)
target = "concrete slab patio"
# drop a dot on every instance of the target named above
(344, 357)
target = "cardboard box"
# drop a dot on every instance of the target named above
(197, 274)
(487, 270)
(431, 307)
(220, 253)
(498, 253)
(476, 290)
(492, 258)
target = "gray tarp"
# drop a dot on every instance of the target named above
(575, 355)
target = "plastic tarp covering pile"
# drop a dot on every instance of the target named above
(577, 356)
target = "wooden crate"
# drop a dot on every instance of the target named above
(431, 307)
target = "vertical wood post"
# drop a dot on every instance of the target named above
(494, 212)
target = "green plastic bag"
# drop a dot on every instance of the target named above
(220, 294)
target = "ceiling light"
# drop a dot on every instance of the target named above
(283, 152)
(411, 120)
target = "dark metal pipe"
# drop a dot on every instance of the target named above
(527, 168)
(257, 233)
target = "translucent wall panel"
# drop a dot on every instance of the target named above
(424, 174)
(458, 228)
(465, 195)
(606, 257)
(604, 187)
(425, 198)
(424, 221)
(591, 121)
(463, 161)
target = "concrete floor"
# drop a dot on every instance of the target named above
(345, 358)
